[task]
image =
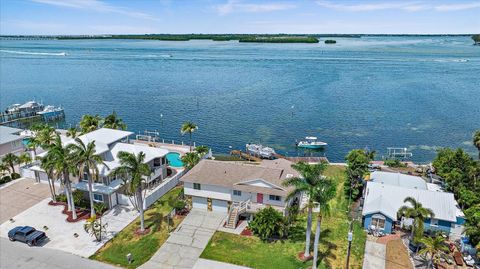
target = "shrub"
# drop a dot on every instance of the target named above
(15, 176)
(268, 223)
(5, 179)
(394, 163)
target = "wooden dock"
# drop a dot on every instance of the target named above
(252, 158)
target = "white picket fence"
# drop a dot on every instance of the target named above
(155, 194)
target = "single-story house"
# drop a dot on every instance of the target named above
(11, 141)
(385, 193)
(108, 142)
(217, 185)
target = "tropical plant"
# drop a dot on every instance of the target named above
(24, 158)
(89, 123)
(308, 183)
(11, 160)
(432, 246)
(4, 169)
(63, 163)
(45, 136)
(112, 121)
(190, 159)
(476, 140)
(325, 192)
(133, 170)
(357, 167)
(87, 161)
(418, 213)
(188, 128)
(94, 227)
(72, 132)
(202, 150)
(48, 165)
(268, 223)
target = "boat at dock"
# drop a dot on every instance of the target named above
(31, 110)
(260, 151)
(311, 142)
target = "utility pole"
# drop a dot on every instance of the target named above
(350, 238)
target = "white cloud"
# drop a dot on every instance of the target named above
(95, 5)
(457, 7)
(406, 6)
(237, 6)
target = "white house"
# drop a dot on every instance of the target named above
(238, 188)
(108, 142)
(11, 141)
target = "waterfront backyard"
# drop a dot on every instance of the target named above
(141, 247)
(250, 251)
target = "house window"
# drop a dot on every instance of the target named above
(97, 197)
(237, 193)
(196, 186)
(434, 222)
(275, 198)
(378, 222)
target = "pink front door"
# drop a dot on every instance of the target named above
(260, 198)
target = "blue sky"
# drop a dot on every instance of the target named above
(238, 16)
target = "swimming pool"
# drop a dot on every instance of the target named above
(174, 159)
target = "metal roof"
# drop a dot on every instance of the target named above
(387, 199)
(398, 179)
(9, 134)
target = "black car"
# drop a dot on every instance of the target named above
(26, 234)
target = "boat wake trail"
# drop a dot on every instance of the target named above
(35, 53)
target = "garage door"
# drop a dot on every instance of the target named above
(219, 206)
(199, 202)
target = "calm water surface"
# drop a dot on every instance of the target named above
(414, 92)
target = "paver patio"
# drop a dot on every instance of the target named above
(19, 195)
(61, 233)
(186, 243)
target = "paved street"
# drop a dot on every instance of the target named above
(20, 195)
(184, 246)
(18, 255)
(374, 255)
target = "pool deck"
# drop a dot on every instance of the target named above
(182, 149)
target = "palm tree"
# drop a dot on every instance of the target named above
(89, 123)
(190, 159)
(136, 170)
(47, 164)
(24, 158)
(87, 161)
(476, 141)
(72, 132)
(189, 127)
(418, 213)
(202, 150)
(112, 121)
(325, 192)
(3, 168)
(308, 183)
(63, 165)
(11, 160)
(46, 136)
(432, 246)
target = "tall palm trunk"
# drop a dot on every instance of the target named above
(69, 191)
(140, 208)
(90, 194)
(317, 239)
(51, 186)
(190, 141)
(309, 232)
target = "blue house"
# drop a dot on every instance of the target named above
(385, 195)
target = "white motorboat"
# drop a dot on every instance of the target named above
(311, 142)
(260, 151)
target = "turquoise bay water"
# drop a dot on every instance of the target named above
(414, 92)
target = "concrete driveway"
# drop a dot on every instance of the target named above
(20, 195)
(374, 255)
(184, 246)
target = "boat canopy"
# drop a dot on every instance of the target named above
(311, 138)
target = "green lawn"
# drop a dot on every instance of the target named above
(143, 247)
(252, 252)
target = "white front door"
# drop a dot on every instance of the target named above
(199, 202)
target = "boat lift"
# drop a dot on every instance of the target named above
(150, 136)
(398, 153)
